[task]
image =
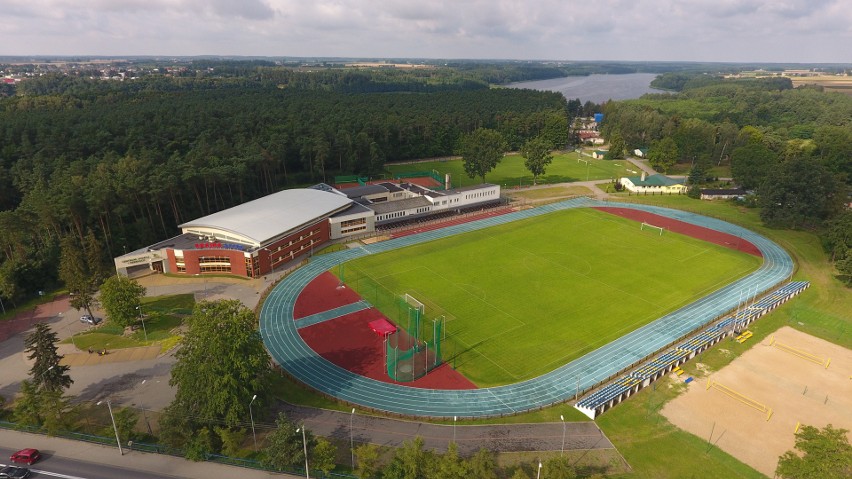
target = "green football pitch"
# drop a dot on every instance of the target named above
(524, 298)
(511, 172)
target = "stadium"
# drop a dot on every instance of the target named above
(254, 238)
(320, 323)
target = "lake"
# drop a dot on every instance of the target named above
(596, 88)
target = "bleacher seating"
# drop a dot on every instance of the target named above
(598, 400)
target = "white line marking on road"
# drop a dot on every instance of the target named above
(56, 474)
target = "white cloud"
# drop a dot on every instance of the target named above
(708, 30)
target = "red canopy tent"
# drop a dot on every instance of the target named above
(382, 327)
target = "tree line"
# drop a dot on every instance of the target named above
(791, 147)
(131, 160)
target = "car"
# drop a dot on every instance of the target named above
(14, 472)
(26, 456)
(89, 319)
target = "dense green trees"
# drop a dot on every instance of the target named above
(120, 298)
(820, 454)
(81, 268)
(616, 147)
(751, 164)
(536, 153)
(129, 161)
(838, 243)
(220, 366)
(663, 154)
(800, 193)
(481, 151)
(46, 374)
(42, 402)
(285, 448)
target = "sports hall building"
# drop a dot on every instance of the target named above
(256, 237)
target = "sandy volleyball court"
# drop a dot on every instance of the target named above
(797, 390)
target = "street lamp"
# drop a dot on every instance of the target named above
(351, 439)
(252, 422)
(145, 412)
(305, 444)
(114, 427)
(538, 476)
(455, 418)
(143, 322)
(562, 418)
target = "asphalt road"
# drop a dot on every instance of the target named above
(65, 468)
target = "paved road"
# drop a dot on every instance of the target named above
(80, 460)
(499, 438)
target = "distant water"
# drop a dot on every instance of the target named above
(596, 88)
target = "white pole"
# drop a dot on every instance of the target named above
(143, 322)
(305, 445)
(538, 476)
(251, 416)
(114, 427)
(562, 418)
(351, 440)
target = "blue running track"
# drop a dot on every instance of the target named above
(281, 336)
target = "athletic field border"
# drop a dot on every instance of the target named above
(281, 337)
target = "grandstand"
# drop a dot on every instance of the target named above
(620, 389)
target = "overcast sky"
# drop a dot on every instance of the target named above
(692, 30)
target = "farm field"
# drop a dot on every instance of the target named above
(511, 173)
(524, 298)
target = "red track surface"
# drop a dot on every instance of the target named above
(323, 294)
(456, 221)
(25, 320)
(700, 232)
(349, 342)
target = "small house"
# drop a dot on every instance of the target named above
(653, 184)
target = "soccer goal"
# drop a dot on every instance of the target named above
(652, 227)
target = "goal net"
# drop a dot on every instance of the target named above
(652, 228)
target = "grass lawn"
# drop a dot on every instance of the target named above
(162, 315)
(524, 298)
(511, 173)
(552, 192)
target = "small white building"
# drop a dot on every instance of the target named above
(654, 184)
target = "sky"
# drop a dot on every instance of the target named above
(806, 31)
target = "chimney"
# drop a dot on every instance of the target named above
(643, 176)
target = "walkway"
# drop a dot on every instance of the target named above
(114, 356)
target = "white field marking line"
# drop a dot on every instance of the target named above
(489, 338)
(481, 300)
(688, 258)
(488, 358)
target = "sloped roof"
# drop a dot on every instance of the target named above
(265, 218)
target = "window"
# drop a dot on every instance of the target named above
(212, 264)
(348, 223)
(352, 230)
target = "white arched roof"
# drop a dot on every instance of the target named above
(263, 219)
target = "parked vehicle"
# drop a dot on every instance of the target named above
(26, 456)
(14, 472)
(88, 319)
